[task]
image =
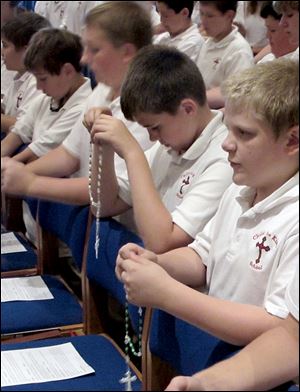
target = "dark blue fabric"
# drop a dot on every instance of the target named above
(101, 271)
(32, 204)
(97, 351)
(113, 236)
(20, 316)
(20, 260)
(66, 222)
(188, 349)
(28, 5)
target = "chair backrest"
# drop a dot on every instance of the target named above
(100, 274)
(64, 222)
(178, 347)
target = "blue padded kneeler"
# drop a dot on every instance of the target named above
(22, 316)
(97, 351)
(20, 260)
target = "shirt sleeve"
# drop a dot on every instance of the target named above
(24, 126)
(292, 295)
(53, 137)
(288, 258)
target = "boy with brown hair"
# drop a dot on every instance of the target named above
(53, 57)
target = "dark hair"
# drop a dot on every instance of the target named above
(268, 10)
(21, 28)
(122, 22)
(222, 6)
(50, 49)
(178, 6)
(158, 79)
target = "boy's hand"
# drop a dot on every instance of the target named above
(127, 250)
(145, 282)
(112, 131)
(183, 383)
(93, 113)
(15, 177)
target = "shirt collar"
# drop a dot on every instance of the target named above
(225, 41)
(289, 191)
(200, 144)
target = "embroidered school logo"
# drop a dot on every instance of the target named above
(185, 182)
(216, 62)
(263, 246)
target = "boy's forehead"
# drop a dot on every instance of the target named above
(93, 33)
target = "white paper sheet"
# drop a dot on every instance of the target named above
(30, 288)
(11, 244)
(33, 365)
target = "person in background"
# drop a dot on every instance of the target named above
(53, 57)
(225, 51)
(254, 25)
(290, 21)
(278, 38)
(181, 32)
(15, 35)
(9, 9)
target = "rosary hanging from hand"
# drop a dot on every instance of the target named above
(128, 377)
(96, 204)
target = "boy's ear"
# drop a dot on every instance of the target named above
(230, 14)
(188, 105)
(292, 140)
(185, 12)
(68, 69)
(129, 51)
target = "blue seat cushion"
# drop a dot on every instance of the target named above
(25, 316)
(19, 260)
(97, 351)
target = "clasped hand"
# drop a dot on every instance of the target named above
(108, 130)
(144, 280)
(15, 178)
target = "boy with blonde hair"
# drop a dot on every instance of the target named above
(247, 254)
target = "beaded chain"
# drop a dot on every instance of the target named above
(96, 204)
(128, 378)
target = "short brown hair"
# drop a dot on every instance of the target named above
(21, 28)
(122, 22)
(158, 79)
(269, 89)
(50, 49)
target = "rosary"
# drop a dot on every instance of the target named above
(128, 377)
(96, 204)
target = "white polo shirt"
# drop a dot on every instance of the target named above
(67, 14)
(44, 129)
(191, 184)
(218, 60)
(295, 55)
(6, 78)
(251, 252)
(78, 141)
(292, 295)
(20, 94)
(188, 42)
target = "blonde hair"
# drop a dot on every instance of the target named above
(269, 89)
(122, 22)
(284, 6)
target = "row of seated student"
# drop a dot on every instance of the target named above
(178, 189)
